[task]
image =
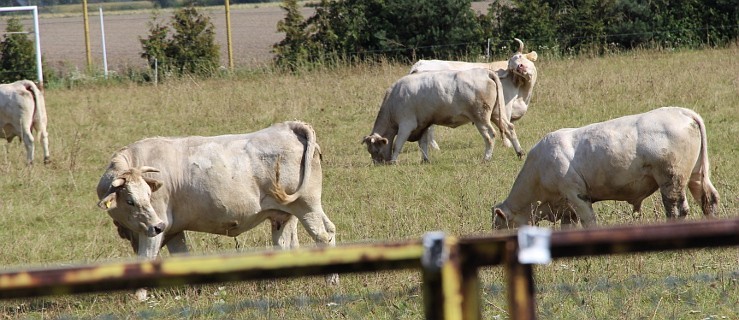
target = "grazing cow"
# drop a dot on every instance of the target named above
(157, 188)
(624, 159)
(449, 98)
(517, 74)
(23, 110)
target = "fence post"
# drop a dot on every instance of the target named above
(450, 291)
(520, 281)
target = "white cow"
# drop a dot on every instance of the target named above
(157, 188)
(23, 110)
(517, 74)
(449, 98)
(625, 159)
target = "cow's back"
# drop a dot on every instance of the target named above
(438, 94)
(623, 158)
(225, 177)
(15, 101)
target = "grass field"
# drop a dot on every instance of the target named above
(48, 214)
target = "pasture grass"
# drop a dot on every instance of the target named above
(48, 215)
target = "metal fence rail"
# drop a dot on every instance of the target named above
(450, 266)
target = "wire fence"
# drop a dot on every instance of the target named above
(264, 307)
(451, 287)
(252, 43)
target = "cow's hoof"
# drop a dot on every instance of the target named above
(47, 161)
(332, 279)
(141, 295)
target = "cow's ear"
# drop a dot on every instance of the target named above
(382, 141)
(108, 202)
(500, 214)
(532, 56)
(153, 184)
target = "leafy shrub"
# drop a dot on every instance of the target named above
(377, 29)
(190, 49)
(349, 30)
(292, 49)
(17, 54)
(586, 25)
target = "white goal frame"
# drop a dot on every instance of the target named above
(37, 42)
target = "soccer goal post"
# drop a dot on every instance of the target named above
(37, 39)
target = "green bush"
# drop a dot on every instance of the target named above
(371, 30)
(375, 30)
(292, 50)
(17, 56)
(190, 49)
(597, 26)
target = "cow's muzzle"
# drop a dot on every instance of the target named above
(154, 230)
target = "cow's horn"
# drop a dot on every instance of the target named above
(520, 44)
(146, 169)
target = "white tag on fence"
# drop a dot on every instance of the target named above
(533, 245)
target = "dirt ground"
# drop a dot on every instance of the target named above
(253, 32)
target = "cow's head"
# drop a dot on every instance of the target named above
(378, 147)
(522, 64)
(502, 217)
(128, 201)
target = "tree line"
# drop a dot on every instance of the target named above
(451, 29)
(407, 30)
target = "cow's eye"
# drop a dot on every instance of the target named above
(130, 202)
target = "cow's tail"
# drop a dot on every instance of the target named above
(499, 116)
(39, 105)
(709, 196)
(306, 131)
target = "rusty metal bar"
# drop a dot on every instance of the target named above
(202, 269)
(471, 292)
(451, 283)
(520, 282)
(452, 294)
(442, 277)
(671, 235)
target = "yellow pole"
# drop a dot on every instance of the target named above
(228, 36)
(87, 34)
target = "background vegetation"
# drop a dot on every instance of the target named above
(189, 49)
(450, 29)
(48, 213)
(17, 54)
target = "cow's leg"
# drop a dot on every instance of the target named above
(488, 136)
(511, 135)
(332, 279)
(431, 139)
(177, 244)
(323, 231)
(285, 231)
(675, 202)
(704, 193)
(148, 249)
(582, 208)
(45, 143)
(423, 143)
(569, 219)
(313, 222)
(27, 137)
(404, 131)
